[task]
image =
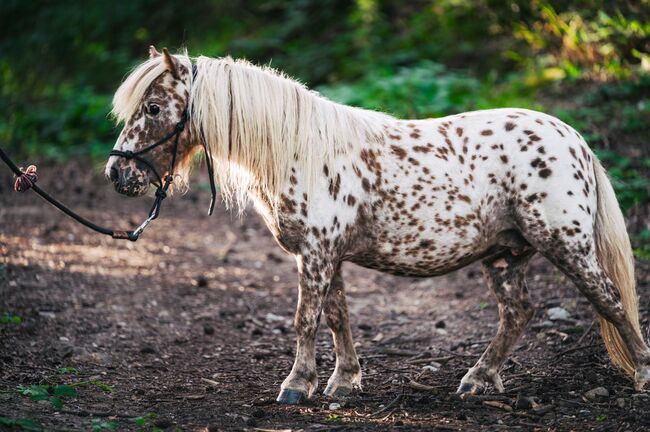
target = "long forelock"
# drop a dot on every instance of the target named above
(129, 95)
(258, 124)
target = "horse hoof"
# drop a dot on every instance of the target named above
(338, 392)
(641, 378)
(469, 389)
(291, 397)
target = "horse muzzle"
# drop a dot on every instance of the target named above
(128, 180)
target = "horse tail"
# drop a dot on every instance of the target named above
(615, 256)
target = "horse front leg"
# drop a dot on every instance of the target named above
(315, 277)
(347, 372)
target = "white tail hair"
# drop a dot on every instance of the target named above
(615, 256)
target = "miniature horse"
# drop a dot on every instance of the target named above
(408, 197)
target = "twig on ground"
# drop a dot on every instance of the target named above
(586, 332)
(420, 387)
(84, 413)
(459, 354)
(497, 404)
(389, 406)
(570, 350)
(211, 382)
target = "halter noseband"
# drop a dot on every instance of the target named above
(175, 134)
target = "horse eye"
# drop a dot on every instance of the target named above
(153, 109)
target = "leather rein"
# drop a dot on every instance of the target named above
(26, 179)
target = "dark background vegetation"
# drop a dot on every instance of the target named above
(587, 62)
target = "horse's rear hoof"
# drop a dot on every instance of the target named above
(338, 392)
(468, 389)
(641, 377)
(291, 397)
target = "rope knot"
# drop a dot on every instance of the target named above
(161, 194)
(26, 180)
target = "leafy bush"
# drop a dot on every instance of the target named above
(428, 89)
(67, 122)
(585, 42)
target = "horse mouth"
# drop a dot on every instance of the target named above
(133, 187)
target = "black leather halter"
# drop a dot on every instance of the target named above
(26, 179)
(175, 134)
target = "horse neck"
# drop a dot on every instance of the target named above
(257, 143)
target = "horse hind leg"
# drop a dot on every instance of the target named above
(505, 276)
(347, 372)
(629, 351)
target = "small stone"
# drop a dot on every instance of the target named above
(431, 368)
(201, 282)
(148, 350)
(208, 329)
(620, 402)
(273, 317)
(526, 402)
(334, 406)
(557, 313)
(441, 324)
(596, 393)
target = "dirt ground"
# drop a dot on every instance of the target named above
(191, 329)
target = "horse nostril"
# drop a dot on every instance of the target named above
(114, 174)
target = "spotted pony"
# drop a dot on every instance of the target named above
(409, 197)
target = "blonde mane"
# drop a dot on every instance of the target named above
(258, 124)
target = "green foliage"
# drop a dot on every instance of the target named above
(583, 41)
(22, 424)
(69, 121)
(61, 62)
(98, 425)
(630, 180)
(427, 89)
(54, 394)
(67, 370)
(641, 241)
(7, 318)
(147, 421)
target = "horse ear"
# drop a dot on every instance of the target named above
(170, 63)
(153, 53)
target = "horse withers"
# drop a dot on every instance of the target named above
(409, 197)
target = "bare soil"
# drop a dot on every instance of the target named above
(193, 323)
